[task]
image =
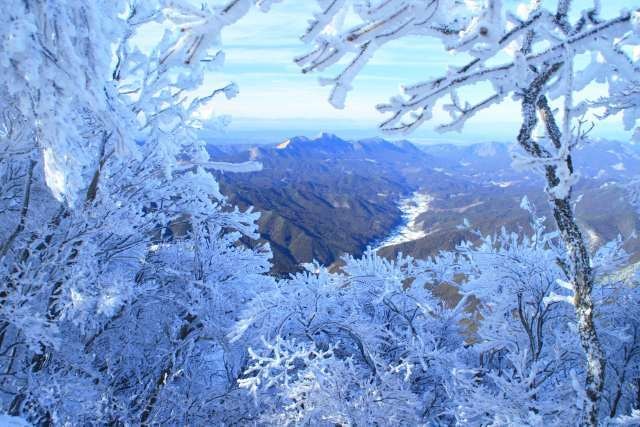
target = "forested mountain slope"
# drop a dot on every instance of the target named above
(323, 197)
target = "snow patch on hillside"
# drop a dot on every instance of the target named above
(284, 144)
(412, 207)
(502, 184)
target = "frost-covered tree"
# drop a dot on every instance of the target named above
(524, 339)
(370, 345)
(536, 53)
(120, 263)
(529, 355)
(617, 296)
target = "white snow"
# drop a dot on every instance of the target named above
(592, 237)
(411, 207)
(502, 184)
(283, 144)
(243, 167)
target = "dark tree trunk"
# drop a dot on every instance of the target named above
(579, 272)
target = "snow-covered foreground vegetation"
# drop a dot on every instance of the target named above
(128, 295)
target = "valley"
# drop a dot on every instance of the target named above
(411, 229)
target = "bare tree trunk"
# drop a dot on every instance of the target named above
(582, 281)
(579, 272)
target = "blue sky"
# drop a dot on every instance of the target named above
(276, 100)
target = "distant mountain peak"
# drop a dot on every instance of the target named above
(330, 145)
(328, 136)
(291, 141)
(325, 143)
(284, 144)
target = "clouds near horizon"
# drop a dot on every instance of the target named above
(259, 58)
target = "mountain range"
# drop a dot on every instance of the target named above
(323, 197)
